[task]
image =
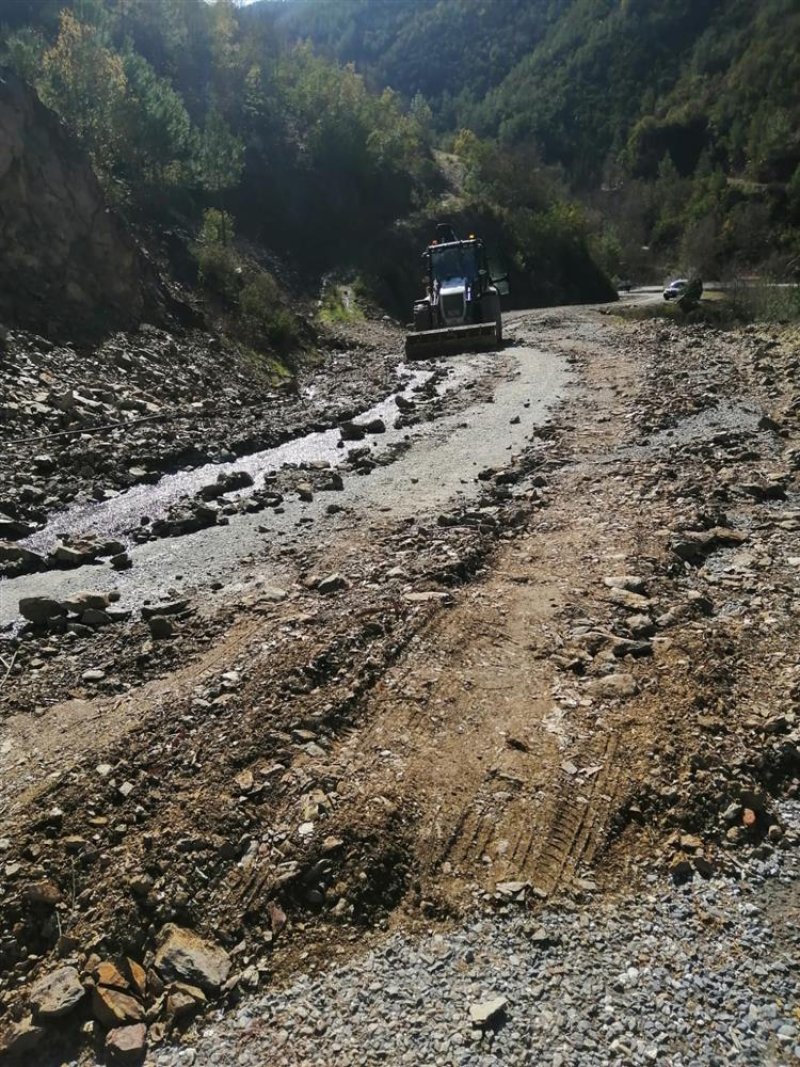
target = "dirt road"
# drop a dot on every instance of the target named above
(543, 646)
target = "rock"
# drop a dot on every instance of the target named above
(273, 593)
(778, 724)
(704, 867)
(429, 596)
(614, 686)
(632, 601)
(350, 431)
(640, 625)
(86, 600)
(244, 781)
(277, 916)
(690, 843)
(169, 607)
(10, 552)
(632, 582)
(73, 555)
(183, 955)
(126, 1044)
(57, 993)
(207, 513)
(137, 978)
(108, 974)
(20, 1038)
(333, 583)
(235, 480)
(39, 609)
(14, 529)
(43, 893)
(623, 647)
(693, 546)
(680, 869)
(160, 627)
(487, 1013)
(332, 483)
(375, 425)
(112, 1007)
(121, 562)
(94, 674)
(94, 618)
(184, 1000)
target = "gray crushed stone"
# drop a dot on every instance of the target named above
(704, 974)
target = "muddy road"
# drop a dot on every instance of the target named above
(534, 646)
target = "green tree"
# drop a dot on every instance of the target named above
(158, 129)
(84, 81)
(218, 156)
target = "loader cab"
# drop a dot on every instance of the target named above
(453, 261)
(457, 261)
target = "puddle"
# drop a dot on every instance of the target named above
(116, 517)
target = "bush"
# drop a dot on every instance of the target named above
(263, 317)
(218, 271)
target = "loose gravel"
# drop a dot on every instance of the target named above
(700, 974)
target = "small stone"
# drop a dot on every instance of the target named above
(244, 781)
(160, 627)
(43, 893)
(184, 1000)
(112, 1007)
(691, 843)
(490, 1011)
(94, 674)
(107, 974)
(333, 583)
(126, 1044)
(169, 607)
(183, 955)
(680, 869)
(277, 916)
(614, 686)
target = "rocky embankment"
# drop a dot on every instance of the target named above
(70, 267)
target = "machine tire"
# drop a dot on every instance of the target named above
(498, 330)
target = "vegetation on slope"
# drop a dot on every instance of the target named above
(678, 124)
(186, 107)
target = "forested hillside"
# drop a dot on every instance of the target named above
(214, 131)
(678, 124)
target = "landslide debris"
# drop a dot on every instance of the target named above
(312, 778)
(82, 425)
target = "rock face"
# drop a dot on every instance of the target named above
(66, 262)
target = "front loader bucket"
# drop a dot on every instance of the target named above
(430, 343)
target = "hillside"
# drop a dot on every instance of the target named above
(252, 167)
(693, 108)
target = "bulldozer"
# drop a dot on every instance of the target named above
(460, 311)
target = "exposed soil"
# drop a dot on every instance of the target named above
(583, 673)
